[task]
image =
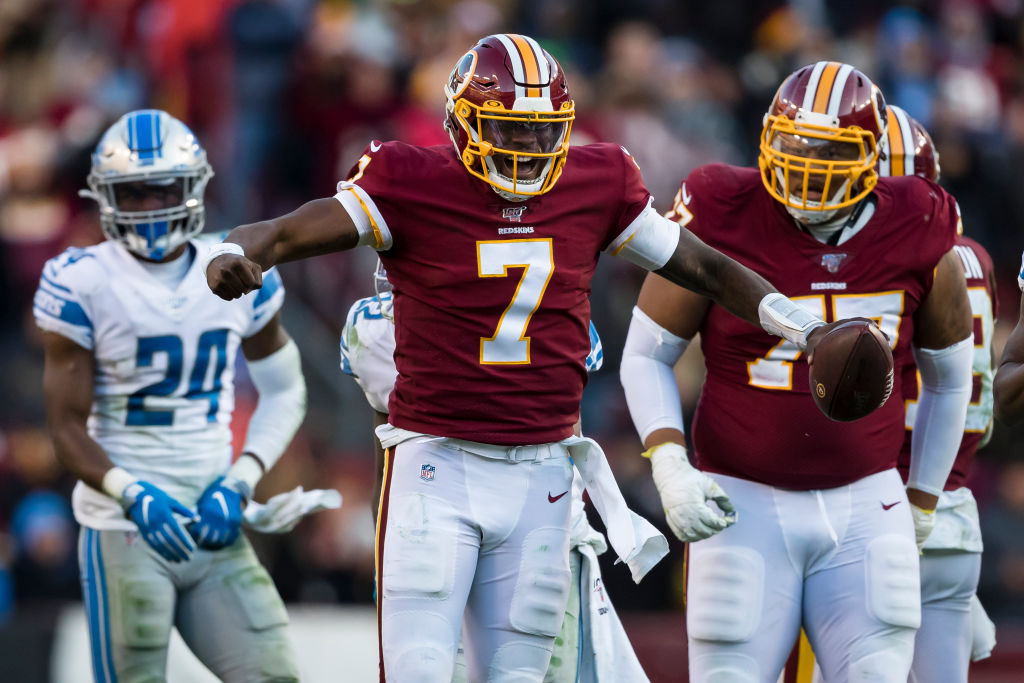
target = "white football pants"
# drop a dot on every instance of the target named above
(464, 537)
(842, 561)
(942, 649)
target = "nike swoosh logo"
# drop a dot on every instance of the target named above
(219, 497)
(145, 509)
(886, 507)
(554, 499)
(374, 146)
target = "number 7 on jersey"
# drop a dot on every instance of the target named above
(509, 344)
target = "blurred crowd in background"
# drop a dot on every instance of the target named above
(285, 94)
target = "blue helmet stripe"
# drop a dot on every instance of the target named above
(144, 129)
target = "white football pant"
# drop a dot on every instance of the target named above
(462, 535)
(842, 561)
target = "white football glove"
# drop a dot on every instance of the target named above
(685, 491)
(924, 522)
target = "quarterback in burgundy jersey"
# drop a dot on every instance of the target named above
(824, 528)
(491, 244)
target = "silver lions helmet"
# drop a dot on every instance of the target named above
(148, 175)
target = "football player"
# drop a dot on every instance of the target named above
(490, 245)
(139, 391)
(826, 531)
(592, 645)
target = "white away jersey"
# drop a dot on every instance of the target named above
(164, 366)
(368, 349)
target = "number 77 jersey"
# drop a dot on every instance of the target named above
(491, 296)
(755, 419)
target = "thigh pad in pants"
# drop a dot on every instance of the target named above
(893, 581)
(420, 548)
(144, 608)
(542, 589)
(725, 595)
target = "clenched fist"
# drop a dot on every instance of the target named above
(231, 275)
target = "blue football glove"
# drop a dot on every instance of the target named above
(153, 512)
(220, 513)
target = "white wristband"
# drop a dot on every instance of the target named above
(247, 469)
(785, 318)
(220, 250)
(115, 481)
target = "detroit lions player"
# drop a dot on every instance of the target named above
(139, 392)
(592, 645)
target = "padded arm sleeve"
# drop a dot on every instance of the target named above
(647, 377)
(281, 406)
(649, 241)
(941, 411)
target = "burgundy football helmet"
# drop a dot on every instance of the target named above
(820, 141)
(509, 115)
(908, 147)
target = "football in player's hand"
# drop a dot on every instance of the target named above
(850, 370)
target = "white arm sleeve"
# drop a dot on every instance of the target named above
(281, 406)
(646, 373)
(941, 411)
(649, 241)
(785, 318)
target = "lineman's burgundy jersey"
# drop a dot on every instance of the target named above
(755, 418)
(978, 269)
(491, 296)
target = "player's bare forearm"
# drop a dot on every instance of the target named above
(321, 226)
(1008, 386)
(711, 273)
(68, 395)
(945, 317)
(660, 436)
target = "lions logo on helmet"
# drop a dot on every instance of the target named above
(821, 140)
(509, 115)
(149, 153)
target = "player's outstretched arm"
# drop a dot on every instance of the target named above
(321, 226)
(68, 382)
(943, 348)
(1008, 385)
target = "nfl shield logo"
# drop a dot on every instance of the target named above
(513, 213)
(831, 262)
(427, 472)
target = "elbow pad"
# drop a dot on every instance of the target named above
(648, 380)
(649, 241)
(281, 406)
(941, 412)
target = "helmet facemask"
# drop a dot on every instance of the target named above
(816, 169)
(149, 175)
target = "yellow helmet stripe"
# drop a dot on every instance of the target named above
(896, 146)
(531, 68)
(517, 62)
(824, 91)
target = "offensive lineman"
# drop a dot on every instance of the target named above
(825, 533)
(139, 392)
(490, 248)
(592, 645)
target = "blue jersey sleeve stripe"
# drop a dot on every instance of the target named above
(271, 283)
(55, 307)
(55, 285)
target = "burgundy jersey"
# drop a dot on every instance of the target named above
(755, 418)
(491, 296)
(978, 270)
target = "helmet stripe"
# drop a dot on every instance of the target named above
(839, 89)
(909, 142)
(812, 86)
(531, 67)
(144, 138)
(824, 91)
(545, 67)
(517, 63)
(896, 151)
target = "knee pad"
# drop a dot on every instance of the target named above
(723, 667)
(542, 588)
(520, 663)
(420, 548)
(256, 596)
(893, 581)
(727, 596)
(418, 646)
(145, 610)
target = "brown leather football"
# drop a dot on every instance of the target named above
(851, 371)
